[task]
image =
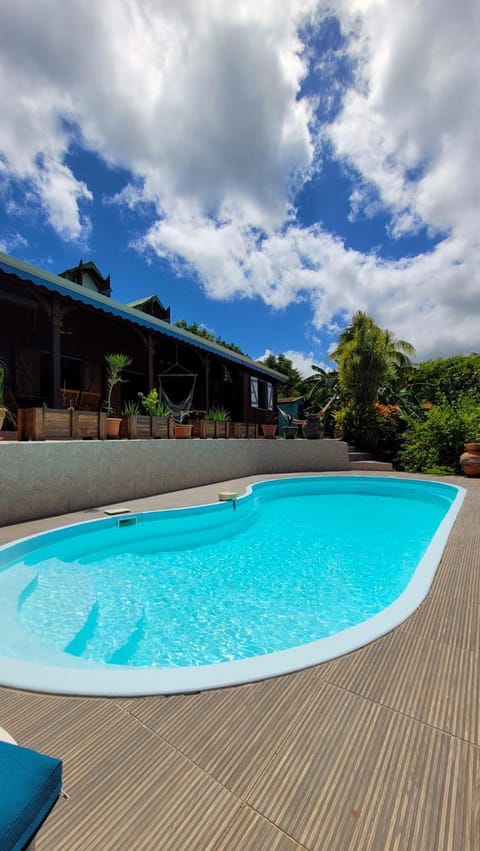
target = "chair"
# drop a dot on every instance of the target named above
(69, 397)
(30, 783)
(88, 401)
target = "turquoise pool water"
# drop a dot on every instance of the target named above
(294, 563)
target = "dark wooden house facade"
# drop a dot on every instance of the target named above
(55, 331)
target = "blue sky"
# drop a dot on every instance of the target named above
(265, 169)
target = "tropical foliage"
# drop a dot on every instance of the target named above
(320, 387)
(116, 363)
(152, 406)
(200, 331)
(220, 415)
(369, 359)
(435, 443)
(294, 385)
(130, 408)
(447, 379)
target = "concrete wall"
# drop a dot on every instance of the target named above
(44, 479)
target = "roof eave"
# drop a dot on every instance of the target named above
(39, 277)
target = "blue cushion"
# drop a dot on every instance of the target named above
(30, 783)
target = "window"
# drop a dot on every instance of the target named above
(253, 392)
(261, 394)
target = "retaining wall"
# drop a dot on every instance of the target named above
(45, 479)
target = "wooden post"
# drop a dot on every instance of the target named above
(57, 318)
(151, 345)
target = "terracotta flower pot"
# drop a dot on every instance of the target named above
(268, 430)
(112, 426)
(182, 431)
(470, 459)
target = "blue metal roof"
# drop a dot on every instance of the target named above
(54, 283)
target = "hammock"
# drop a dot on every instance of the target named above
(180, 408)
(292, 421)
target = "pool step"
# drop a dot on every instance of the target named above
(125, 652)
(108, 638)
(78, 644)
(48, 608)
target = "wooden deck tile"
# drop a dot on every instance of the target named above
(230, 733)
(354, 775)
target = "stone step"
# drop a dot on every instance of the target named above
(357, 455)
(370, 464)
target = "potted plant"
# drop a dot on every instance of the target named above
(4, 411)
(158, 413)
(129, 425)
(269, 428)
(221, 418)
(182, 429)
(215, 423)
(116, 363)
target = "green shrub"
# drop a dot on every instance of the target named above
(218, 414)
(130, 408)
(151, 405)
(445, 380)
(391, 424)
(375, 428)
(436, 442)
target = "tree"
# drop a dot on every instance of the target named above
(369, 359)
(199, 331)
(319, 388)
(361, 356)
(282, 364)
(447, 379)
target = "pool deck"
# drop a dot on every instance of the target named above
(377, 750)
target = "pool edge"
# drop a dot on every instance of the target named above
(90, 681)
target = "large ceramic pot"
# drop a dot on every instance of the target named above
(313, 428)
(470, 459)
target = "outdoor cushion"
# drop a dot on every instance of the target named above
(30, 783)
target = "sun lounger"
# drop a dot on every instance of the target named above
(30, 783)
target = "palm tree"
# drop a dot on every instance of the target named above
(399, 354)
(362, 360)
(368, 359)
(319, 387)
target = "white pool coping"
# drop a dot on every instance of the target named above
(94, 679)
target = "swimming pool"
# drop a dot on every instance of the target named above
(295, 572)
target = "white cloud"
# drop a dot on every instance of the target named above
(199, 101)
(12, 242)
(415, 107)
(300, 360)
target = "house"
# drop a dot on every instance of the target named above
(55, 331)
